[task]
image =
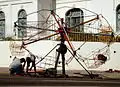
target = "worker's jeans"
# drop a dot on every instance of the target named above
(16, 70)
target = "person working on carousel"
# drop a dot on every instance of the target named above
(16, 67)
(30, 60)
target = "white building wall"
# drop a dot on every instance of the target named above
(41, 48)
(105, 7)
(11, 9)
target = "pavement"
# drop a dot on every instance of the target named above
(8, 81)
(4, 70)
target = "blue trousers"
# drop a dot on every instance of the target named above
(16, 70)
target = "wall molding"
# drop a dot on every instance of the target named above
(21, 3)
(3, 1)
(4, 5)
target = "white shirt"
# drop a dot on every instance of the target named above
(32, 56)
(15, 63)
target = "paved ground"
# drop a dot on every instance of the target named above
(4, 70)
(9, 81)
(6, 80)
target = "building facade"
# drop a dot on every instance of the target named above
(16, 10)
(110, 9)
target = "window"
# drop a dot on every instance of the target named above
(22, 21)
(118, 18)
(2, 24)
(73, 18)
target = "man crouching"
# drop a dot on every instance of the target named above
(16, 67)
